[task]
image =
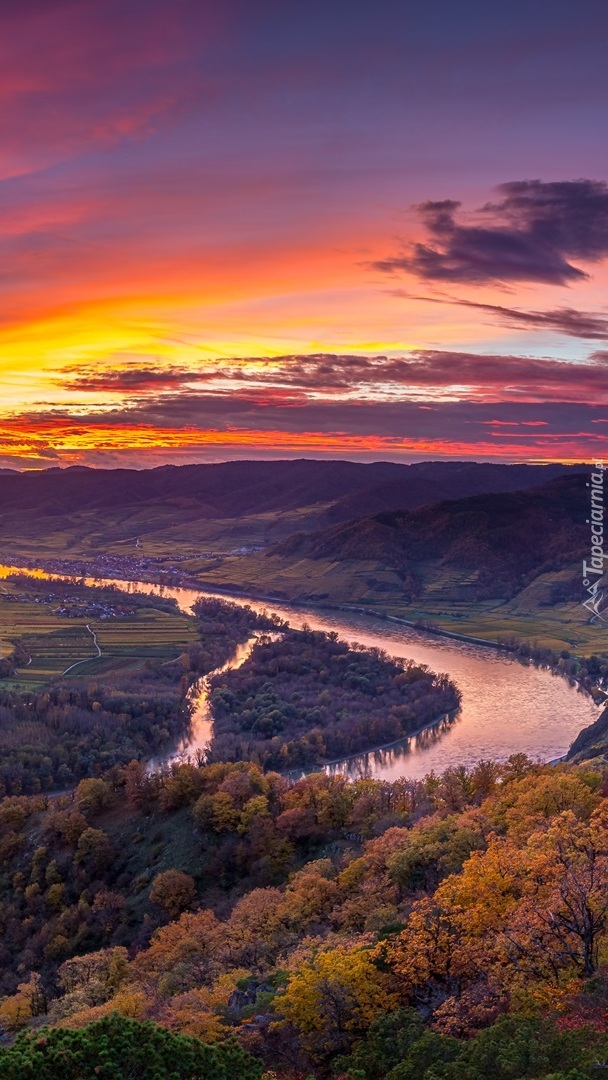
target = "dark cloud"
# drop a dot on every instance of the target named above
(190, 424)
(463, 423)
(129, 380)
(287, 381)
(530, 234)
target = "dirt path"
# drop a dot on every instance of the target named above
(88, 658)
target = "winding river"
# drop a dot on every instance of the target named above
(507, 706)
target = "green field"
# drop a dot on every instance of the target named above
(55, 642)
(163, 531)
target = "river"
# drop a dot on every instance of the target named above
(507, 706)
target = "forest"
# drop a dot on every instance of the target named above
(53, 736)
(225, 919)
(302, 698)
(450, 928)
(307, 697)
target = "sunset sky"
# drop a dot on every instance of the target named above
(374, 230)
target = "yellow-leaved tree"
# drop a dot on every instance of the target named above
(334, 999)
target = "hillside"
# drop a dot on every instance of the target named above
(453, 927)
(194, 509)
(492, 551)
(493, 565)
(500, 538)
(431, 482)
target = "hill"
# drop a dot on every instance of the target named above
(451, 927)
(429, 482)
(499, 566)
(196, 509)
(499, 538)
(490, 551)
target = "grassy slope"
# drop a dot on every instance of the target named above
(373, 586)
(162, 531)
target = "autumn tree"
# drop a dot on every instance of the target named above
(18, 1009)
(93, 850)
(184, 954)
(563, 916)
(93, 795)
(335, 998)
(174, 891)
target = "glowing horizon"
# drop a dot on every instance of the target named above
(220, 239)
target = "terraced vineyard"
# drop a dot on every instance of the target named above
(55, 643)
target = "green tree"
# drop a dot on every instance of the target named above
(513, 1048)
(94, 850)
(117, 1048)
(430, 1050)
(522, 1047)
(93, 795)
(387, 1042)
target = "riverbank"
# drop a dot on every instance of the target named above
(520, 649)
(175, 578)
(547, 658)
(322, 765)
(506, 707)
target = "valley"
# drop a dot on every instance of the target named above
(500, 565)
(212, 805)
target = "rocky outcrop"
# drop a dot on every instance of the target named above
(591, 741)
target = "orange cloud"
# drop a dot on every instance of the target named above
(73, 442)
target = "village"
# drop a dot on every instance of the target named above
(74, 607)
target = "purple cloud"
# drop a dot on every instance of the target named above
(590, 325)
(530, 234)
(294, 379)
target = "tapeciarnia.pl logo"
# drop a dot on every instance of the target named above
(594, 569)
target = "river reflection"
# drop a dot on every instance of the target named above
(507, 706)
(195, 743)
(383, 761)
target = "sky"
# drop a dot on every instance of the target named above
(366, 229)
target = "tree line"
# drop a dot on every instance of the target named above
(53, 737)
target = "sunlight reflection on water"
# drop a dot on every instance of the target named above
(507, 706)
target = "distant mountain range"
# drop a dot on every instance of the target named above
(489, 550)
(332, 491)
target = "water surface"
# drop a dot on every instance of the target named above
(507, 706)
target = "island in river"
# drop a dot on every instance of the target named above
(313, 696)
(307, 697)
(507, 706)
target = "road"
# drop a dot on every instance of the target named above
(88, 658)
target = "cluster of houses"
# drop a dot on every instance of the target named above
(75, 607)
